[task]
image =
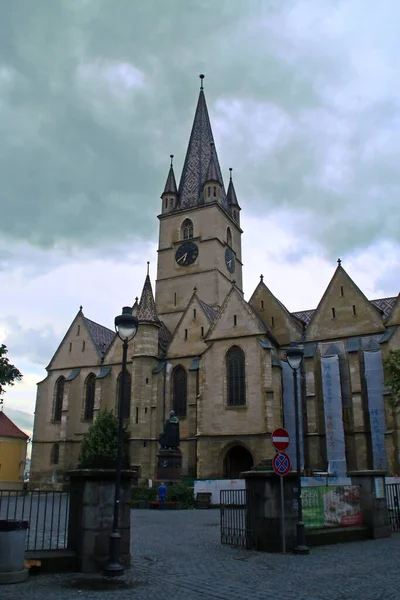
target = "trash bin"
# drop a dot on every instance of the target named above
(12, 551)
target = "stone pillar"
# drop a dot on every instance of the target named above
(91, 516)
(373, 501)
(264, 498)
(169, 465)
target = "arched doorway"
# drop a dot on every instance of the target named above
(237, 460)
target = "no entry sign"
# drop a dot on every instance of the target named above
(281, 464)
(280, 439)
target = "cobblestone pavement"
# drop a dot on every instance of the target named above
(177, 555)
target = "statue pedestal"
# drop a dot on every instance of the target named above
(169, 465)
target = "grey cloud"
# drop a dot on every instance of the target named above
(33, 345)
(96, 95)
(22, 419)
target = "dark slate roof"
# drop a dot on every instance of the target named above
(383, 304)
(101, 336)
(147, 307)
(170, 184)
(164, 336)
(231, 194)
(211, 311)
(213, 173)
(198, 158)
(9, 430)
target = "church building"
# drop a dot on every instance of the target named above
(218, 360)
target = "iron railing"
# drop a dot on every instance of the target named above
(393, 504)
(236, 519)
(331, 506)
(47, 513)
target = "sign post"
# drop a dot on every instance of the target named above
(281, 466)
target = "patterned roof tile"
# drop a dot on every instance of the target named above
(101, 336)
(164, 336)
(384, 304)
(147, 306)
(170, 184)
(211, 311)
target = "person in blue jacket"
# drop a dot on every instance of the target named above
(162, 494)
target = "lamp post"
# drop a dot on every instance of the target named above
(294, 356)
(126, 326)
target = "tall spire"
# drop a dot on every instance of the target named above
(231, 194)
(198, 157)
(170, 184)
(213, 173)
(147, 311)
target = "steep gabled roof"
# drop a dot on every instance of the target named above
(210, 311)
(213, 172)
(147, 311)
(170, 184)
(197, 159)
(101, 336)
(231, 197)
(385, 305)
(9, 430)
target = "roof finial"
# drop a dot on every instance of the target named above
(201, 81)
(171, 157)
(230, 173)
(148, 267)
(137, 299)
(261, 278)
(81, 307)
(195, 289)
(339, 262)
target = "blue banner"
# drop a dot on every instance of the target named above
(289, 420)
(335, 443)
(374, 381)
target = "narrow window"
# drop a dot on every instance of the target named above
(333, 313)
(209, 191)
(59, 395)
(354, 310)
(174, 298)
(83, 346)
(55, 454)
(272, 322)
(185, 334)
(229, 237)
(144, 444)
(194, 314)
(234, 320)
(166, 202)
(79, 330)
(70, 346)
(215, 191)
(341, 291)
(236, 377)
(147, 380)
(262, 304)
(187, 229)
(171, 202)
(202, 332)
(234, 214)
(179, 391)
(137, 415)
(125, 395)
(145, 410)
(89, 397)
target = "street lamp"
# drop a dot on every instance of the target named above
(126, 326)
(294, 356)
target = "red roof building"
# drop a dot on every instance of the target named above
(8, 429)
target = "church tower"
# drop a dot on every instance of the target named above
(200, 235)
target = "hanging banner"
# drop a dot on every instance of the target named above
(289, 420)
(335, 443)
(374, 380)
(335, 506)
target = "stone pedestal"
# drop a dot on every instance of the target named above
(374, 508)
(91, 516)
(264, 498)
(169, 465)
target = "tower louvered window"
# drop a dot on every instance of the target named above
(236, 376)
(58, 401)
(126, 399)
(187, 229)
(179, 391)
(89, 397)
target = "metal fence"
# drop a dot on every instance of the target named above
(47, 513)
(236, 519)
(331, 506)
(392, 499)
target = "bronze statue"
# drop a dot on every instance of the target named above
(169, 439)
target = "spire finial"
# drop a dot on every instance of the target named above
(201, 81)
(339, 261)
(171, 157)
(261, 278)
(148, 267)
(230, 173)
(81, 308)
(137, 299)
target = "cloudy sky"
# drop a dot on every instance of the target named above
(94, 95)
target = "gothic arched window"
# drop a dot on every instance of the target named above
(55, 454)
(89, 397)
(58, 401)
(229, 237)
(236, 376)
(179, 379)
(126, 400)
(187, 229)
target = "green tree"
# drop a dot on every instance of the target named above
(8, 372)
(100, 444)
(392, 379)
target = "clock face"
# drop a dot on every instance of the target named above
(186, 254)
(230, 260)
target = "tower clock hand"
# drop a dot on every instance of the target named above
(182, 258)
